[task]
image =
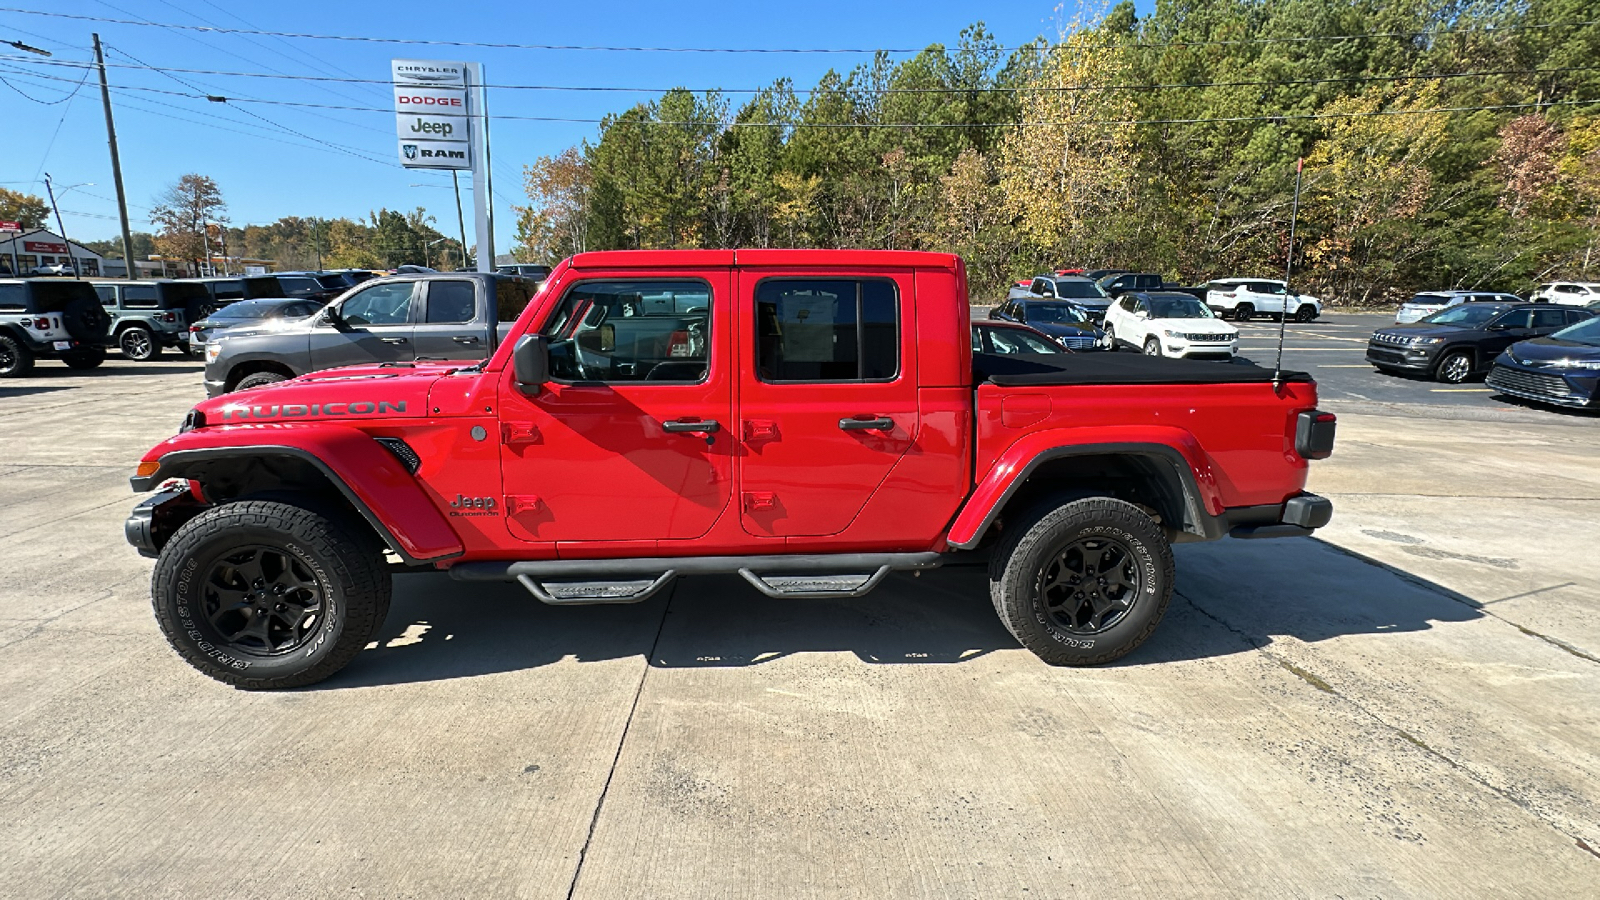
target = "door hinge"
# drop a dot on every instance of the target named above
(521, 503)
(760, 501)
(520, 433)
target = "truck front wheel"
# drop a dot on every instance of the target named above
(262, 595)
(1083, 583)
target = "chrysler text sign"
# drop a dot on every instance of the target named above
(430, 114)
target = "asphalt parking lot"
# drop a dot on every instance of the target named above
(1406, 705)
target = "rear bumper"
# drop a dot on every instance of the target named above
(1301, 515)
(49, 350)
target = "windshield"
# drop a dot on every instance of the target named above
(1179, 308)
(300, 284)
(1054, 312)
(1015, 340)
(334, 282)
(1079, 290)
(1467, 315)
(1585, 332)
(249, 309)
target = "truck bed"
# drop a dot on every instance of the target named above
(1041, 369)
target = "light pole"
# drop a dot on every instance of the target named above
(50, 189)
(461, 220)
(425, 257)
(24, 47)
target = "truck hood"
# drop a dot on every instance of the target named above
(354, 392)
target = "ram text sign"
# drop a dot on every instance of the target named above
(430, 114)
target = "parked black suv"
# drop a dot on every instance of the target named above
(1126, 282)
(1458, 342)
(316, 286)
(43, 318)
(231, 290)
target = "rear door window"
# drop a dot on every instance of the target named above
(449, 303)
(139, 296)
(228, 290)
(108, 294)
(827, 330)
(1548, 319)
(13, 298)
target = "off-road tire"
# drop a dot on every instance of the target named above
(85, 319)
(1031, 544)
(259, 379)
(1305, 313)
(1454, 367)
(1244, 311)
(16, 360)
(353, 581)
(1152, 347)
(88, 358)
(138, 344)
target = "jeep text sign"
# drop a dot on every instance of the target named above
(430, 113)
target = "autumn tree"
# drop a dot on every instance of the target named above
(26, 210)
(181, 215)
(554, 224)
(1525, 162)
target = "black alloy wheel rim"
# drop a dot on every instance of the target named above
(136, 344)
(8, 358)
(262, 601)
(1090, 584)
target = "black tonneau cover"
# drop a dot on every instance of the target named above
(1037, 369)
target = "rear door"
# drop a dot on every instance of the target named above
(827, 394)
(630, 440)
(379, 328)
(452, 323)
(1549, 321)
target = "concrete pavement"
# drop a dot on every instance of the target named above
(1407, 705)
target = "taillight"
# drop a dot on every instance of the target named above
(194, 328)
(1230, 294)
(170, 317)
(42, 324)
(1313, 434)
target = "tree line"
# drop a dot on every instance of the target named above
(1443, 145)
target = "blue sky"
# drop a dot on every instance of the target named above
(267, 172)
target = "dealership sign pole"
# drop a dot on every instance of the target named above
(442, 122)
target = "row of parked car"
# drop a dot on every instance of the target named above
(1546, 351)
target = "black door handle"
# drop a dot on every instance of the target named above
(881, 423)
(393, 340)
(464, 339)
(704, 426)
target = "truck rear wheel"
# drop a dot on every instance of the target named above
(1082, 583)
(262, 595)
(16, 360)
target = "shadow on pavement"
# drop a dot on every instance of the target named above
(25, 390)
(1256, 590)
(114, 367)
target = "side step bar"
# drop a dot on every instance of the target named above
(572, 582)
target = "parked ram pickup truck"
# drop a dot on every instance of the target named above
(813, 420)
(401, 318)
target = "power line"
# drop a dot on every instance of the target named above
(802, 50)
(63, 99)
(902, 125)
(1345, 79)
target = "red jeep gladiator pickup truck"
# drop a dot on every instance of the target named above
(810, 419)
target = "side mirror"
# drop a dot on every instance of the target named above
(1142, 314)
(531, 363)
(331, 313)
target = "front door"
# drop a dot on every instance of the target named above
(377, 328)
(630, 439)
(828, 397)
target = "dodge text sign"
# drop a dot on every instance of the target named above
(430, 114)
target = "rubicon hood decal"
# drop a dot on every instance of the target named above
(264, 412)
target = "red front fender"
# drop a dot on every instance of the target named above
(364, 471)
(1174, 445)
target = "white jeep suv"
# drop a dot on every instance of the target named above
(1169, 324)
(1245, 298)
(1567, 293)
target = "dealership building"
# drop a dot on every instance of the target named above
(21, 253)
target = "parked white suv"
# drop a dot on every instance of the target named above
(1429, 302)
(1245, 298)
(1567, 293)
(1169, 324)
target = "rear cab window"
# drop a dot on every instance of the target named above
(827, 330)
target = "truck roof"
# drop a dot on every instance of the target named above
(626, 259)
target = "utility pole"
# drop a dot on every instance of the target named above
(116, 163)
(50, 189)
(461, 219)
(1288, 272)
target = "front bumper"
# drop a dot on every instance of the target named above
(215, 389)
(1197, 350)
(1396, 357)
(1569, 388)
(153, 521)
